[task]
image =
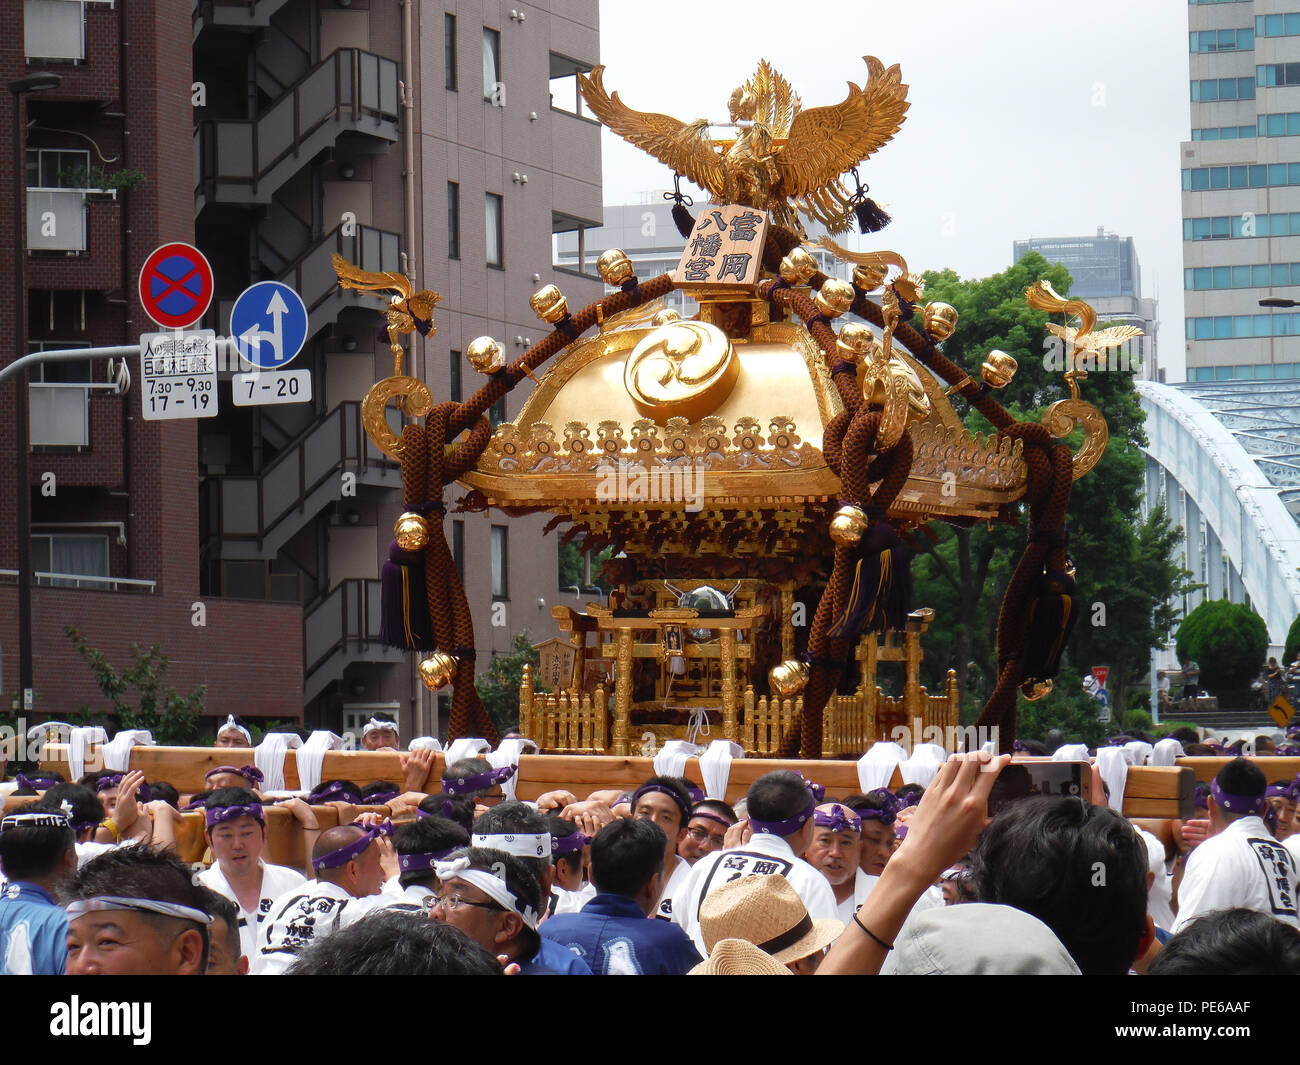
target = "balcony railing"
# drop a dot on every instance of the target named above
(340, 628)
(56, 220)
(83, 580)
(54, 29)
(246, 161)
(59, 414)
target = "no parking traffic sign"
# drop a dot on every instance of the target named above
(176, 285)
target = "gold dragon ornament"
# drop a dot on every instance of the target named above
(782, 159)
(408, 312)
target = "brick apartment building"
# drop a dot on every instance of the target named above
(271, 133)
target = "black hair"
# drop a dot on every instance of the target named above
(1184, 735)
(716, 806)
(467, 767)
(379, 787)
(1240, 777)
(873, 800)
(778, 796)
(1080, 869)
(919, 790)
(395, 943)
(160, 789)
(34, 852)
(424, 836)
(562, 829)
(516, 818)
(143, 872)
(520, 880)
(1234, 942)
(626, 854)
(680, 793)
(324, 785)
(218, 905)
(458, 808)
(233, 797)
(87, 812)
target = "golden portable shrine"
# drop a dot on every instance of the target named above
(759, 472)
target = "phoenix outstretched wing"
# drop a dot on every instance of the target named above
(778, 103)
(825, 142)
(680, 145)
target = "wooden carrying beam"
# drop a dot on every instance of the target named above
(1151, 791)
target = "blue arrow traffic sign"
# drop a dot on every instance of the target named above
(269, 324)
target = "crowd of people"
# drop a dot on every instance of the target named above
(662, 880)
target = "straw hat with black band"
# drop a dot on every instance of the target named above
(765, 911)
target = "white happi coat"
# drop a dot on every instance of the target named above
(1241, 866)
(1160, 897)
(297, 919)
(764, 853)
(672, 889)
(276, 880)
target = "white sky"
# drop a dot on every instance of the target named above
(1028, 119)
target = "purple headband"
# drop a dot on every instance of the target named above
(249, 772)
(479, 781)
(788, 827)
(112, 780)
(216, 815)
(908, 800)
(379, 798)
(697, 794)
(570, 844)
(1019, 748)
(355, 849)
(1199, 792)
(1236, 804)
(709, 815)
(1287, 750)
(663, 789)
(888, 812)
(837, 818)
(447, 809)
(1293, 733)
(409, 863)
(37, 781)
(335, 791)
(818, 790)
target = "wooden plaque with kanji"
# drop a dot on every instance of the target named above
(557, 658)
(725, 247)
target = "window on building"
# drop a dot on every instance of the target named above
(492, 86)
(500, 561)
(449, 49)
(495, 230)
(453, 220)
(458, 548)
(497, 412)
(71, 555)
(456, 359)
(1223, 40)
(1276, 75)
(57, 168)
(1286, 25)
(54, 30)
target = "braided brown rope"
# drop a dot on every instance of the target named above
(431, 461)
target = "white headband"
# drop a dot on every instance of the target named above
(521, 846)
(491, 886)
(231, 723)
(374, 725)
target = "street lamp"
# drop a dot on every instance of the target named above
(38, 82)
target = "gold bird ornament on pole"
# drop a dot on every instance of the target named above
(781, 158)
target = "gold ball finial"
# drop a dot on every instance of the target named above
(665, 316)
(940, 320)
(855, 340)
(998, 369)
(437, 671)
(848, 524)
(835, 297)
(411, 531)
(787, 679)
(798, 267)
(549, 304)
(1036, 690)
(869, 278)
(486, 355)
(615, 267)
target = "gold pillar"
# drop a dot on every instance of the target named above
(912, 701)
(622, 692)
(787, 620)
(727, 646)
(578, 641)
(526, 704)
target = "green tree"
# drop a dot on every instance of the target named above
(1227, 640)
(1292, 642)
(498, 685)
(1069, 709)
(1126, 571)
(171, 717)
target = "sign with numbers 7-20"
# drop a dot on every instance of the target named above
(272, 386)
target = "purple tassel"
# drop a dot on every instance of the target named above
(405, 622)
(880, 597)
